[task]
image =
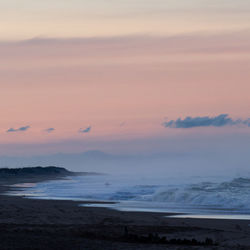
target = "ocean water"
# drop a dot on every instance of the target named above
(196, 196)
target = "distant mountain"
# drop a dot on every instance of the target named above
(76, 161)
(89, 161)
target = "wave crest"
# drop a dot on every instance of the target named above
(234, 194)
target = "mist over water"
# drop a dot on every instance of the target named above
(156, 184)
(207, 178)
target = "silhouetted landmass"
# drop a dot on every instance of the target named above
(35, 173)
(34, 170)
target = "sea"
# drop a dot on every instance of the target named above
(194, 197)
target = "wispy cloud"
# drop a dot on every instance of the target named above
(49, 130)
(21, 129)
(122, 124)
(85, 130)
(204, 43)
(205, 121)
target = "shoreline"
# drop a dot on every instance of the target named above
(64, 223)
(115, 205)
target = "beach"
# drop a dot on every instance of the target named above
(125, 125)
(64, 224)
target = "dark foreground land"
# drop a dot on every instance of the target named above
(47, 224)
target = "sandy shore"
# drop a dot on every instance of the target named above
(50, 224)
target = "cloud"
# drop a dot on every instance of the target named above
(201, 43)
(122, 124)
(85, 130)
(49, 130)
(205, 121)
(246, 122)
(21, 129)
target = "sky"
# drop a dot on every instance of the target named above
(124, 76)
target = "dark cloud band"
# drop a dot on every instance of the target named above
(21, 129)
(85, 130)
(49, 130)
(205, 121)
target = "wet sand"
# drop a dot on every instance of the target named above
(54, 224)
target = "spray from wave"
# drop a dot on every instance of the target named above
(162, 194)
(233, 194)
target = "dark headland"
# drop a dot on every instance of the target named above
(33, 171)
(34, 174)
(57, 224)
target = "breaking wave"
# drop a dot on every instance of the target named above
(234, 194)
(195, 195)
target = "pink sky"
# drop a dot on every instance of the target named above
(123, 82)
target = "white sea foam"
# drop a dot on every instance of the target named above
(203, 195)
(233, 194)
